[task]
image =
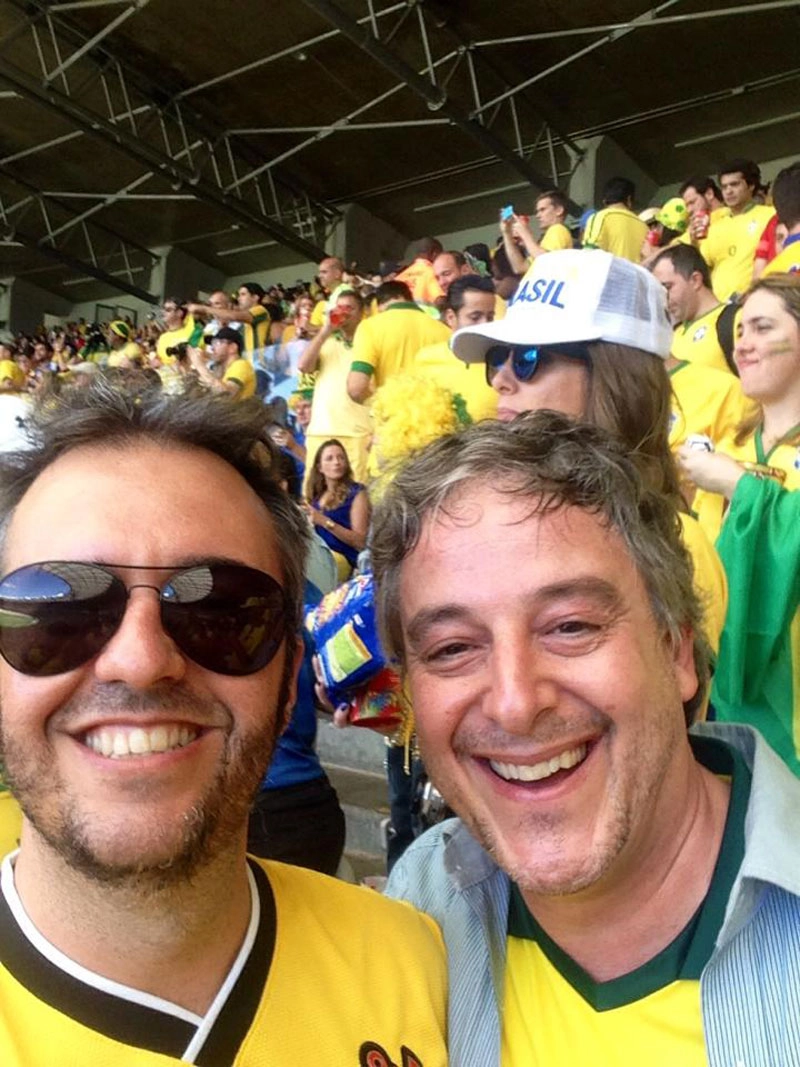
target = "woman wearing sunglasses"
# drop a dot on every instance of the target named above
(587, 335)
(754, 478)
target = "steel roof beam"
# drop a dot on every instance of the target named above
(140, 151)
(67, 260)
(210, 187)
(651, 22)
(431, 93)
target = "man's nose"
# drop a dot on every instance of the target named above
(141, 653)
(523, 686)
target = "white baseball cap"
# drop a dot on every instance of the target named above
(577, 295)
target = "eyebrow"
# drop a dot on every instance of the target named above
(184, 563)
(599, 590)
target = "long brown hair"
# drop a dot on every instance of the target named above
(630, 396)
(787, 288)
(317, 483)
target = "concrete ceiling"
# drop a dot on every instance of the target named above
(240, 131)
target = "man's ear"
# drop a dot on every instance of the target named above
(683, 659)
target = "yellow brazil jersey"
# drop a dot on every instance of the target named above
(13, 374)
(556, 237)
(555, 1015)
(705, 401)
(697, 341)
(686, 237)
(467, 380)
(130, 352)
(10, 822)
(333, 413)
(321, 307)
(730, 249)
(337, 975)
(710, 582)
(255, 334)
(787, 260)
(710, 507)
(387, 343)
(241, 372)
(190, 332)
(616, 230)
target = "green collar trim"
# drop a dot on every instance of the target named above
(685, 958)
(763, 457)
(686, 326)
(674, 370)
(404, 305)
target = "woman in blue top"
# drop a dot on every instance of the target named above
(339, 506)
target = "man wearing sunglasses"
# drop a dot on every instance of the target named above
(151, 586)
(616, 890)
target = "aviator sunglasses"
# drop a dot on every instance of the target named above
(526, 359)
(56, 616)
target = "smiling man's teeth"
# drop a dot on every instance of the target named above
(518, 772)
(118, 743)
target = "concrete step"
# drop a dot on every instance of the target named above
(353, 759)
(364, 800)
(354, 747)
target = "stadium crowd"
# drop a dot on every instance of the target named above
(649, 362)
(330, 357)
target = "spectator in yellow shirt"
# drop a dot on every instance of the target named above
(238, 377)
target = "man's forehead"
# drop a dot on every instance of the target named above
(142, 502)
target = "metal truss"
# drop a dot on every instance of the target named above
(102, 96)
(501, 131)
(43, 222)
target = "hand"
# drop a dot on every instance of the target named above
(713, 471)
(698, 227)
(196, 357)
(520, 229)
(507, 225)
(280, 435)
(201, 310)
(340, 714)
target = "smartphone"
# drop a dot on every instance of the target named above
(507, 212)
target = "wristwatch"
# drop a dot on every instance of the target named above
(329, 524)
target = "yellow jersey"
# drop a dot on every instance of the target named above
(730, 249)
(190, 333)
(555, 1015)
(617, 230)
(787, 260)
(14, 374)
(242, 374)
(337, 974)
(387, 343)
(255, 334)
(333, 413)
(467, 380)
(705, 401)
(556, 237)
(697, 341)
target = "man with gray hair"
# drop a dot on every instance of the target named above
(148, 634)
(616, 890)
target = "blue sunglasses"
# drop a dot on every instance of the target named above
(525, 359)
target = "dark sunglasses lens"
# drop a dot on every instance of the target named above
(56, 616)
(228, 618)
(524, 361)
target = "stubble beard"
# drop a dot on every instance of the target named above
(213, 826)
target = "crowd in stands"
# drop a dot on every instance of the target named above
(715, 418)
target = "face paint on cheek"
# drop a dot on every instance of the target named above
(780, 348)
